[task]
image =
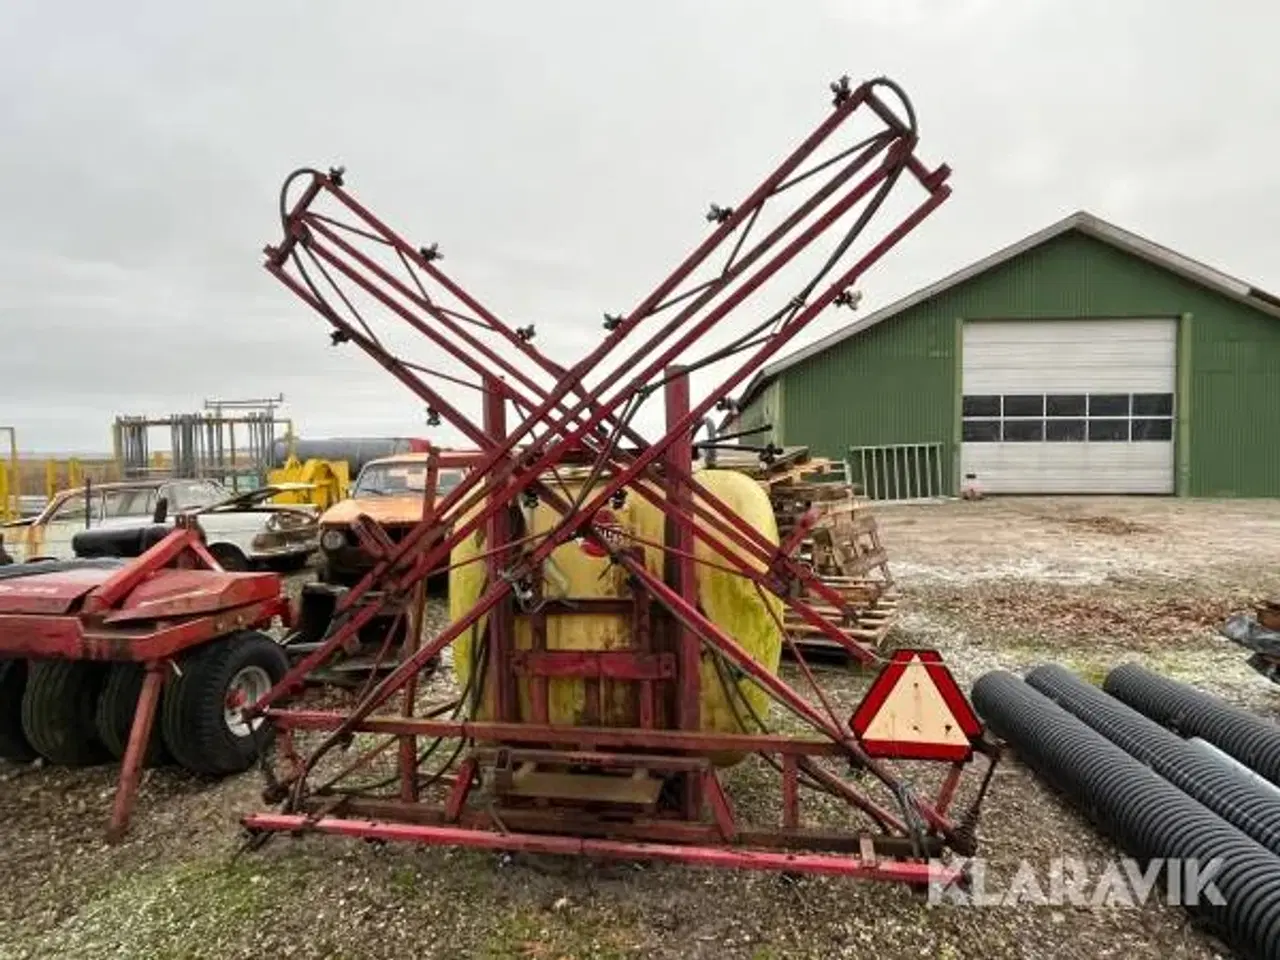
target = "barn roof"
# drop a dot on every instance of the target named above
(1081, 222)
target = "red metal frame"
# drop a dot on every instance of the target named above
(302, 224)
(914, 872)
(583, 415)
(172, 598)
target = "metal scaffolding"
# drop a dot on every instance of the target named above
(235, 448)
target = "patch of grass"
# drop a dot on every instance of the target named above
(1089, 668)
(174, 911)
(403, 879)
(471, 873)
(570, 934)
(1019, 655)
(1093, 673)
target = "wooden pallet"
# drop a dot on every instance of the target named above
(846, 542)
(843, 548)
(791, 463)
(794, 474)
(875, 613)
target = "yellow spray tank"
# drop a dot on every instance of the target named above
(575, 572)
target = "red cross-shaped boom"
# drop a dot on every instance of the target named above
(362, 277)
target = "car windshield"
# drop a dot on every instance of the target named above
(129, 502)
(181, 494)
(400, 479)
(194, 494)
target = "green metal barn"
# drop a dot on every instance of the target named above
(1083, 359)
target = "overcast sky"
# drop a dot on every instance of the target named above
(562, 154)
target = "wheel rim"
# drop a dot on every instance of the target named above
(245, 689)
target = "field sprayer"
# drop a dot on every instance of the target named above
(616, 611)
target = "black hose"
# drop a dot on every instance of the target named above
(1247, 804)
(1251, 739)
(1148, 816)
(901, 94)
(733, 692)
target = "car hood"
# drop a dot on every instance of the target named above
(381, 510)
(253, 498)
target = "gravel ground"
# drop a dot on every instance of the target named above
(1087, 582)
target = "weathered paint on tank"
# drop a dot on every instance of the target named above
(574, 573)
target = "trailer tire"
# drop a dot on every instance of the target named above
(13, 742)
(58, 708)
(117, 705)
(197, 719)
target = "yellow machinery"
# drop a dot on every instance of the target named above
(328, 480)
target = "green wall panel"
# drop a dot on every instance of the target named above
(764, 410)
(895, 386)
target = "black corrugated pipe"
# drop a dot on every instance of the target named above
(1252, 740)
(1148, 816)
(1248, 805)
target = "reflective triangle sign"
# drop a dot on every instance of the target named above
(916, 711)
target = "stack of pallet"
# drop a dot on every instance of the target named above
(843, 547)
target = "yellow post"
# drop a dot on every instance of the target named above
(75, 474)
(11, 501)
(5, 513)
(50, 478)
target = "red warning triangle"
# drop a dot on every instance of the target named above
(916, 711)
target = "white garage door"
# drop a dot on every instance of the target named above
(1069, 406)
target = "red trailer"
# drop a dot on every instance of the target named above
(87, 647)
